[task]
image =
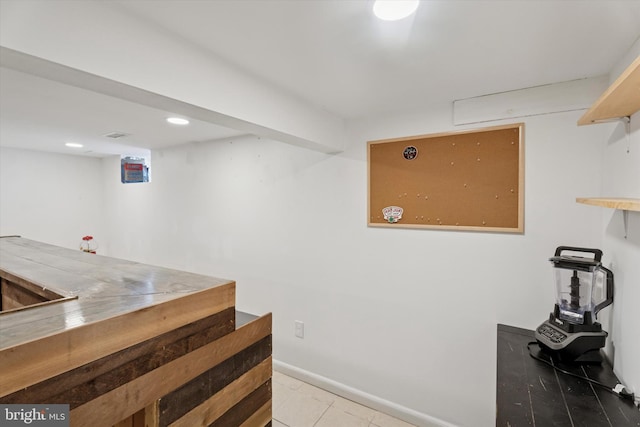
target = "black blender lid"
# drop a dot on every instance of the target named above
(574, 262)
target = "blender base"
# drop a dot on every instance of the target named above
(572, 347)
(591, 357)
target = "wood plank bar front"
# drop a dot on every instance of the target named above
(143, 391)
(24, 365)
(127, 344)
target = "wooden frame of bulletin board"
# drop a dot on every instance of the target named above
(467, 180)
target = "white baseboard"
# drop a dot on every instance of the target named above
(361, 397)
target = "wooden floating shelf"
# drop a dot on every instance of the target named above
(622, 99)
(626, 204)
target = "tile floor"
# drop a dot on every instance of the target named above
(298, 404)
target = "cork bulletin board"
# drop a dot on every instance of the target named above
(468, 180)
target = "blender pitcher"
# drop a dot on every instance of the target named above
(583, 288)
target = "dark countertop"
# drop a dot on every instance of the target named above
(532, 393)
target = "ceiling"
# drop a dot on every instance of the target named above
(335, 55)
(41, 114)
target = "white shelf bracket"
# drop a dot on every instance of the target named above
(625, 220)
(627, 130)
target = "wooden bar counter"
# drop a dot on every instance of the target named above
(128, 344)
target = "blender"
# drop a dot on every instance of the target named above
(583, 288)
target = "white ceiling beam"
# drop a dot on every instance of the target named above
(100, 47)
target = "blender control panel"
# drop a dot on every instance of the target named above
(552, 334)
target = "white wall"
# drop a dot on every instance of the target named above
(408, 316)
(53, 198)
(621, 177)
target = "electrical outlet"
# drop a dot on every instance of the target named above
(299, 329)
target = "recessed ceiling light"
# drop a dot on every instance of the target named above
(178, 121)
(74, 145)
(393, 10)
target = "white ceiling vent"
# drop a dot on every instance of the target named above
(116, 135)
